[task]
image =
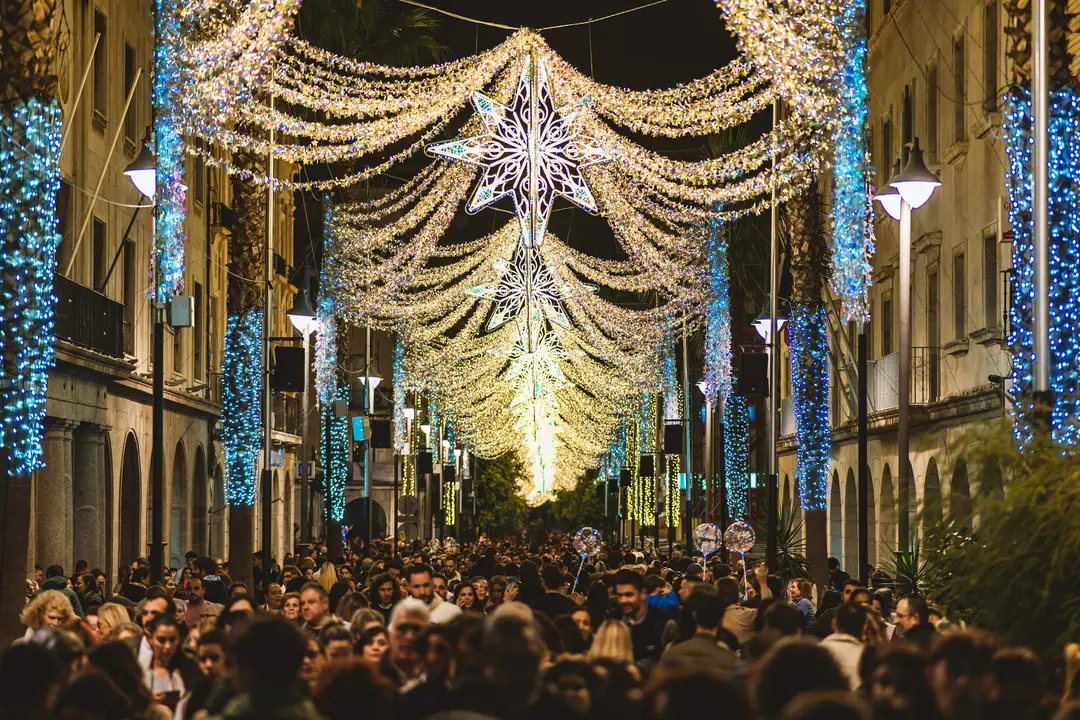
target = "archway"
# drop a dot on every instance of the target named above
(906, 510)
(199, 503)
(990, 483)
(277, 512)
(851, 526)
(217, 515)
(871, 520)
(960, 495)
(931, 504)
(836, 527)
(887, 539)
(785, 508)
(287, 523)
(130, 481)
(178, 517)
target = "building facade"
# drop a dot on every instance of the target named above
(937, 73)
(92, 500)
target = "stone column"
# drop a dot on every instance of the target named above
(52, 494)
(89, 478)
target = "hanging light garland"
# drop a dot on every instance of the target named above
(29, 182)
(810, 397)
(717, 322)
(335, 456)
(737, 456)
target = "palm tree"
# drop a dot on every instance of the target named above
(29, 180)
(810, 366)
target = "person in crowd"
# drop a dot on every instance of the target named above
(315, 608)
(337, 643)
(554, 601)
(466, 598)
(383, 594)
(650, 629)
(422, 588)
(790, 668)
(408, 622)
(703, 649)
(337, 692)
(198, 607)
(799, 592)
(47, 609)
(290, 607)
(583, 622)
(845, 644)
(111, 616)
(57, 581)
(268, 655)
(480, 586)
(171, 674)
(913, 621)
(373, 644)
(612, 641)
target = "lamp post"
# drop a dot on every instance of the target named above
(303, 319)
(769, 324)
(371, 381)
(914, 185)
(143, 174)
(708, 463)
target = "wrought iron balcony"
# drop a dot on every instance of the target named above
(87, 318)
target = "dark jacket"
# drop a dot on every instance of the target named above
(59, 582)
(650, 635)
(700, 651)
(921, 635)
(270, 706)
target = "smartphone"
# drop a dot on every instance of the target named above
(511, 581)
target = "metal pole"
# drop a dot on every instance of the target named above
(305, 527)
(368, 402)
(1040, 104)
(268, 394)
(157, 454)
(864, 471)
(78, 96)
(774, 358)
(690, 494)
(709, 459)
(904, 380)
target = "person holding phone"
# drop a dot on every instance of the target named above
(171, 673)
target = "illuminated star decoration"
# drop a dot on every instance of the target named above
(509, 296)
(504, 153)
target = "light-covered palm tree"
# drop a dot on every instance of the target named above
(29, 180)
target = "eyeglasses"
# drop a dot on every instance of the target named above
(405, 628)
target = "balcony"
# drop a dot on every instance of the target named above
(883, 379)
(286, 417)
(87, 318)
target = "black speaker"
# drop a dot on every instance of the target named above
(612, 487)
(288, 373)
(449, 474)
(673, 439)
(646, 466)
(423, 463)
(436, 494)
(624, 477)
(754, 374)
(381, 431)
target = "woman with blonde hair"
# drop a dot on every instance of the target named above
(50, 609)
(612, 642)
(328, 575)
(110, 617)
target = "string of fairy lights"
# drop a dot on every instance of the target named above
(517, 334)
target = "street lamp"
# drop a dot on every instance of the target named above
(143, 170)
(915, 184)
(303, 319)
(763, 322)
(374, 379)
(890, 197)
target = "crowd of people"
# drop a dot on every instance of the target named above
(501, 629)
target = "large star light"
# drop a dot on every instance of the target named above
(515, 143)
(509, 296)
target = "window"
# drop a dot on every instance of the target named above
(101, 70)
(197, 336)
(907, 129)
(178, 353)
(933, 331)
(885, 169)
(212, 345)
(886, 324)
(63, 214)
(198, 171)
(130, 295)
(990, 271)
(131, 120)
(959, 298)
(959, 132)
(990, 55)
(101, 255)
(932, 115)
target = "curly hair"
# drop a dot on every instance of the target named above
(33, 615)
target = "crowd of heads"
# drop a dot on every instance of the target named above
(505, 629)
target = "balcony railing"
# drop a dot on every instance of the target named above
(883, 380)
(88, 318)
(287, 414)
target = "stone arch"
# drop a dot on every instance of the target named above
(287, 522)
(130, 490)
(887, 526)
(906, 508)
(836, 527)
(990, 481)
(786, 506)
(960, 495)
(218, 517)
(200, 507)
(871, 520)
(851, 525)
(178, 509)
(277, 511)
(931, 501)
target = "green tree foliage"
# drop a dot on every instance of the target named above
(500, 508)
(1016, 573)
(383, 31)
(580, 506)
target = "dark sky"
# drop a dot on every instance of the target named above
(655, 47)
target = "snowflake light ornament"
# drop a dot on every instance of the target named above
(518, 147)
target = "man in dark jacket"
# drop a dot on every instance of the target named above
(56, 580)
(650, 629)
